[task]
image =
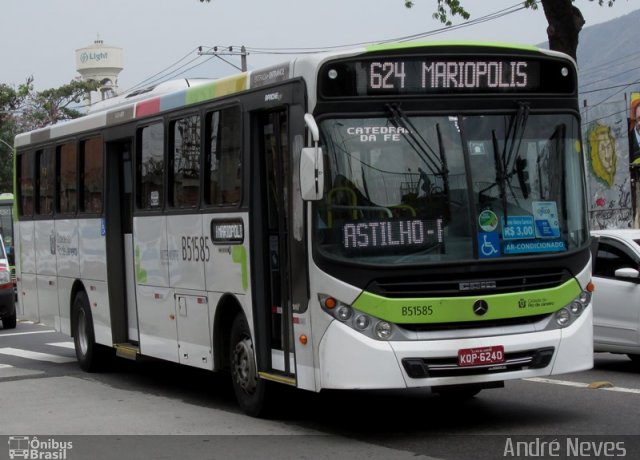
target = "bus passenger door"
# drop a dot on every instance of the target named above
(271, 251)
(119, 240)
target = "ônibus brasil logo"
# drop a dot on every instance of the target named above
(33, 448)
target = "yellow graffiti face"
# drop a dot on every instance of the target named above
(603, 153)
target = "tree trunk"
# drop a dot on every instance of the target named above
(565, 23)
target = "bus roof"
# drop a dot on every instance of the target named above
(180, 93)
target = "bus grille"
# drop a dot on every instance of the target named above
(431, 327)
(418, 368)
(463, 284)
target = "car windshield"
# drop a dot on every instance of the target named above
(420, 189)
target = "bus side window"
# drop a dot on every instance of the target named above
(67, 178)
(45, 181)
(92, 169)
(223, 184)
(185, 180)
(150, 184)
(26, 184)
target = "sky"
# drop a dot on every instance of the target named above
(39, 38)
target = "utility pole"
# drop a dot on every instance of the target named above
(243, 58)
(227, 52)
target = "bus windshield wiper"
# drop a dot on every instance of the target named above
(512, 142)
(436, 165)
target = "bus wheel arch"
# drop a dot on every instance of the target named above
(227, 310)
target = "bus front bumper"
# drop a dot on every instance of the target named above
(350, 360)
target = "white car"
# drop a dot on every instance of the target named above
(616, 298)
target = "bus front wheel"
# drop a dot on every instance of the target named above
(84, 338)
(249, 388)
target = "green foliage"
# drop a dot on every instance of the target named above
(446, 9)
(11, 100)
(24, 109)
(44, 108)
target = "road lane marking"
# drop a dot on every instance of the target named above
(48, 331)
(623, 390)
(68, 345)
(582, 385)
(36, 355)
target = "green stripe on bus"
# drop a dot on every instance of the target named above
(408, 45)
(457, 309)
(239, 256)
(218, 88)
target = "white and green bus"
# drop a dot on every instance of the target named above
(397, 216)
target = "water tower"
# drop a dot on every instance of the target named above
(101, 63)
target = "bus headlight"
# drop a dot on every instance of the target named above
(363, 323)
(576, 307)
(572, 311)
(383, 330)
(343, 312)
(563, 317)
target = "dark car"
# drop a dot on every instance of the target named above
(7, 293)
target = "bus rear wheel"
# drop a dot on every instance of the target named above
(249, 388)
(84, 337)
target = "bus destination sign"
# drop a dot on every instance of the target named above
(443, 75)
(437, 75)
(394, 235)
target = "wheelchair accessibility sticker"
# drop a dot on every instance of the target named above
(488, 245)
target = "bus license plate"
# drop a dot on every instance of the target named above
(481, 356)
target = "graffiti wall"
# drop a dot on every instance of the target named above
(605, 131)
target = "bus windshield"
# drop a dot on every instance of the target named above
(407, 189)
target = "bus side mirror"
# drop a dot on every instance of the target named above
(311, 174)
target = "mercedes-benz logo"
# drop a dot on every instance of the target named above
(480, 307)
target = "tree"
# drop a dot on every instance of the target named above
(11, 100)
(44, 108)
(24, 109)
(564, 19)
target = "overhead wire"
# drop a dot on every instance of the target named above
(315, 50)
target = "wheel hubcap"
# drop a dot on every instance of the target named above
(244, 369)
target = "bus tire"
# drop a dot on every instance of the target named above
(249, 388)
(84, 338)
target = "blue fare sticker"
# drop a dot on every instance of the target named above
(488, 245)
(545, 214)
(528, 247)
(518, 228)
